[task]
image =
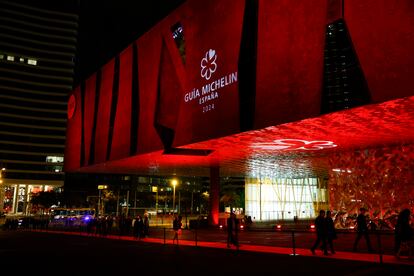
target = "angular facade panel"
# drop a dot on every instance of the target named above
(74, 132)
(215, 69)
(210, 105)
(149, 55)
(104, 111)
(290, 60)
(88, 116)
(120, 146)
(383, 36)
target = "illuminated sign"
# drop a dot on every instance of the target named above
(208, 64)
(295, 144)
(210, 91)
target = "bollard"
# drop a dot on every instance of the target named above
(293, 244)
(164, 236)
(379, 247)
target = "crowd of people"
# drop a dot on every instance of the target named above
(26, 223)
(325, 230)
(326, 233)
(123, 225)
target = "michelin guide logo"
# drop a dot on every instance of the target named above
(208, 64)
(206, 95)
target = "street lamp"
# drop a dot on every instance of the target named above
(100, 187)
(1, 175)
(174, 183)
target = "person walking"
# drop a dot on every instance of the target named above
(331, 232)
(232, 230)
(321, 232)
(177, 228)
(138, 227)
(362, 230)
(403, 234)
(146, 225)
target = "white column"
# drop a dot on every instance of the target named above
(15, 198)
(26, 199)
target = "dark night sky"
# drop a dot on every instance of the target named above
(106, 27)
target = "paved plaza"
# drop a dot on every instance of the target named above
(46, 252)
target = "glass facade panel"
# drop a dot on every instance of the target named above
(283, 198)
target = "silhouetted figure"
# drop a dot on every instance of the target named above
(331, 232)
(403, 234)
(232, 230)
(321, 233)
(138, 227)
(146, 225)
(362, 230)
(249, 222)
(177, 228)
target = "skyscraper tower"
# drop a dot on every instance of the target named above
(37, 50)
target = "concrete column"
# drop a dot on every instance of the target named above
(26, 199)
(15, 196)
(214, 195)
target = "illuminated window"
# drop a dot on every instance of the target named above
(284, 198)
(344, 84)
(54, 159)
(21, 196)
(178, 36)
(57, 168)
(32, 61)
(1, 56)
(9, 196)
(21, 59)
(49, 188)
(10, 58)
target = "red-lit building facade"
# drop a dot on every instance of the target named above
(311, 101)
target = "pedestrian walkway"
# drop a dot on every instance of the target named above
(340, 255)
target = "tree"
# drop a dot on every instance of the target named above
(231, 198)
(44, 200)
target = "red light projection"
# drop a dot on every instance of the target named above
(358, 128)
(212, 33)
(383, 36)
(295, 144)
(149, 46)
(104, 111)
(379, 179)
(89, 101)
(74, 134)
(290, 47)
(255, 66)
(122, 123)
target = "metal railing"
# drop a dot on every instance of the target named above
(292, 238)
